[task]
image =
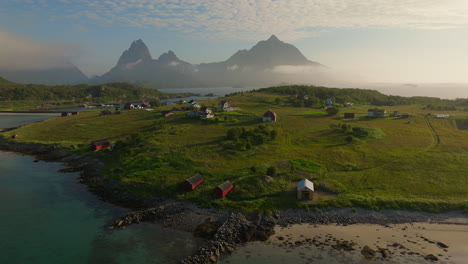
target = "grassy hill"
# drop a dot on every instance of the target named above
(416, 162)
(20, 96)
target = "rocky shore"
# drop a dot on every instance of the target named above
(223, 230)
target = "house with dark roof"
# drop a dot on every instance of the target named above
(192, 182)
(128, 106)
(376, 112)
(223, 189)
(269, 116)
(100, 144)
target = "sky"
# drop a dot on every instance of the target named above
(414, 41)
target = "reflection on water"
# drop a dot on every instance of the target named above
(47, 217)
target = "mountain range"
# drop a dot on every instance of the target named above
(269, 62)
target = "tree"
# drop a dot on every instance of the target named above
(277, 100)
(155, 103)
(272, 171)
(332, 110)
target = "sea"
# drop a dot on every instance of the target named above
(49, 217)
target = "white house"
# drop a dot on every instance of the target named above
(305, 190)
(224, 106)
(192, 104)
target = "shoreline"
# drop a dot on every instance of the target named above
(223, 230)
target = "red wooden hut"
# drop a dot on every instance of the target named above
(349, 115)
(223, 189)
(14, 136)
(100, 144)
(192, 182)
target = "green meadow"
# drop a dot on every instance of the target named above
(416, 163)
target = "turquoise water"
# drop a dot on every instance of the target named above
(48, 217)
(17, 120)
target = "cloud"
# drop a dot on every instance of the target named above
(22, 53)
(247, 19)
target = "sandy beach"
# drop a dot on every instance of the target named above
(446, 242)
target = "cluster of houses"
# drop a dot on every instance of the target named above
(193, 182)
(202, 113)
(376, 113)
(130, 106)
(305, 188)
(65, 114)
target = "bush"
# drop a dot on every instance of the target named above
(272, 171)
(332, 110)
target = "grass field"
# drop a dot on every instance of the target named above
(417, 162)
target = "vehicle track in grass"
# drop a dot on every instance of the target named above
(435, 136)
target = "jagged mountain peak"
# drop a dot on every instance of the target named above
(168, 57)
(138, 51)
(273, 38)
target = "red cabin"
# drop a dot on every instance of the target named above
(192, 182)
(100, 144)
(349, 115)
(14, 136)
(223, 189)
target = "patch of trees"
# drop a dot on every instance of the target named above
(352, 133)
(354, 95)
(332, 110)
(10, 91)
(243, 139)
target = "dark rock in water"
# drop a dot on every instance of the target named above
(344, 245)
(207, 230)
(69, 170)
(441, 245)
(385, 253)
(431, 257)
(368, 252)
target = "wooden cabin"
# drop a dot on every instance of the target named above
(348, 115)
(14, 136)
(128, 106)
(192, 182)
(100, 144)
(66, 114)
(375, 112)
(75, 113)
(106, 112)
(223, 189)
(167, 113)
(305, 190)
(269, 116)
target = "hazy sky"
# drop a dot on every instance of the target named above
(378, 40)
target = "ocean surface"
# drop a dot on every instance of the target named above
(441, 90)
(48, 217)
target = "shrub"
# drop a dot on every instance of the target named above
(332, 110)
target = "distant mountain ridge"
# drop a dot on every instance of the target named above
(245, 67)
(68, 74)
(257, 66)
